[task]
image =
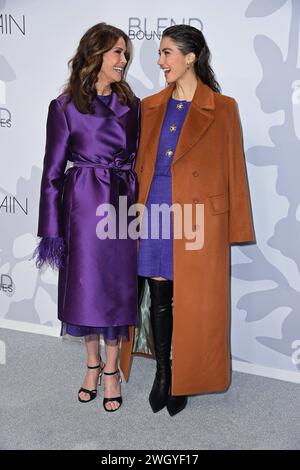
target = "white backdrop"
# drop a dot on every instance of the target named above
(255, 49)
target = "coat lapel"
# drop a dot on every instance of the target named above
(153, 119)
(199, 118)
(118, 108)
(114, 105)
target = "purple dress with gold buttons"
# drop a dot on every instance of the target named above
(156, 251)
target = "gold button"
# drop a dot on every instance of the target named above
(179, 106)
(169, 153)
(173, 128)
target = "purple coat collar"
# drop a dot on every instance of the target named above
(114, 104)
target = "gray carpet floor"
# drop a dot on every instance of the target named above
(39, 407)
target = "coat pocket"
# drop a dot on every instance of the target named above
(219, 204)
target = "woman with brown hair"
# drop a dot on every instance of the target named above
(94, 124)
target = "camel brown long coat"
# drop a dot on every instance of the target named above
(209, 168)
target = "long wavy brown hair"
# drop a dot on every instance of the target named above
(87, 63)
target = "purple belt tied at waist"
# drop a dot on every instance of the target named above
(123, 180)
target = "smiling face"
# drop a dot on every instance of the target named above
(113, 65)
(172, 61)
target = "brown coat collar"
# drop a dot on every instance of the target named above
(203, 97)
(199, 118)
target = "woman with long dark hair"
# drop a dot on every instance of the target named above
(94, 125)
(190, 155)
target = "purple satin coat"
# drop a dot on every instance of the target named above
(98, 283)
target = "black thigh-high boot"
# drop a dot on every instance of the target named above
(162, 322)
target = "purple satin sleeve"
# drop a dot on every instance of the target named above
(55, 161)
(50, 251)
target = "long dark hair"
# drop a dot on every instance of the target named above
(87, 62)
(189, 39)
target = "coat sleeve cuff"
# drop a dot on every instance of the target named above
(50, 251)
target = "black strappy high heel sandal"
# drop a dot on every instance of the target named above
(117, 399)
(92, 393)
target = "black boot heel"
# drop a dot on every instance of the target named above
(159, 394)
